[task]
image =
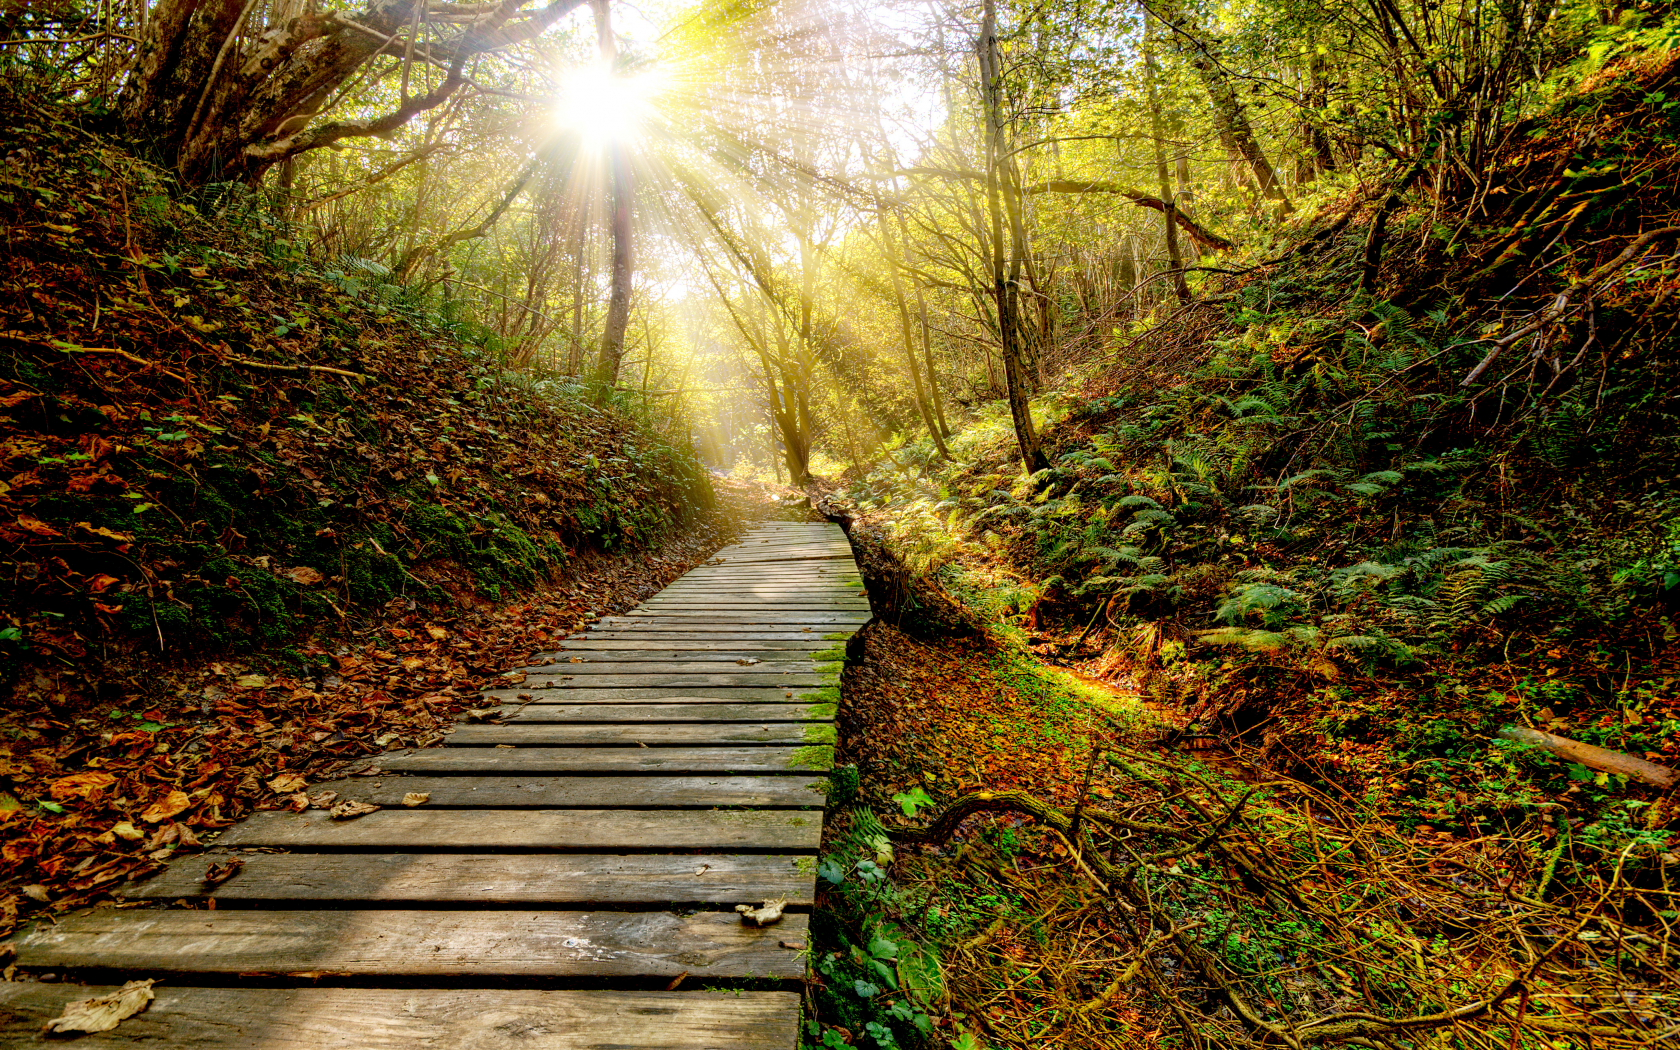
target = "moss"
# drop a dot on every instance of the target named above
(822, 710)
(837, 636)
(820, 733)
(829, 654)
(842, 784)
(813, 756)
(498, 553)
(828, 694)
(828, 668)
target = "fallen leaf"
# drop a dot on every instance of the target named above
(298, 802)
(416, 798)
(80, 785)
(125, 830)
(747, 661)
(286, 783)
(217, 874)
(324, 799)
(101, 583)
(351, 810)
(304, 576)
(166, 807)
(35, 892)
(36, 526)
(105, 1012)
(769, 912)
(251, 681)
(438, 633)
(120, 537)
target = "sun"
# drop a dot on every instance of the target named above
(603, 106)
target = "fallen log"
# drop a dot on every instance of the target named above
(1593, 757)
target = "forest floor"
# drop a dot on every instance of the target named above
(1289, 581)
(103, 784)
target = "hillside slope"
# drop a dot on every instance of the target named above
(260, 514)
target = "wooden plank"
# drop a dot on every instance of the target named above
(792, 648)
(778, 608)
(407, 1019)
(620, 760)
(619, 695)
(707, 653)
(785, 711)
(610, 666)
(581, 792)
(493, 878)
(769, 619)
(745, 677)
(417, 943)
(720, 632)
(420, 830)
(642, 734)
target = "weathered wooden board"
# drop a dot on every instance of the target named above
(726, 634)
(767, 618)
(792, 648)
(711, 654)
(804, 677)
(417, 943)
(408, 1019)
(775, 609)
(581, 792)
(620, 760)
(614, 665)
(537, 829)
(493, 878)
(538, 693)
(610, 713)
(642, 734)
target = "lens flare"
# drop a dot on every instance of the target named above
(603, 106)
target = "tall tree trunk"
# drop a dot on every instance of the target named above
(623, 190)
(933, 377)
(1004, 288)
(892, 251)
(1169, 200)
(1229, 114)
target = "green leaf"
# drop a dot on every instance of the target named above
(912, 800)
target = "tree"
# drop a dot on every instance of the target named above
(1005, 281)
(226, 89)
(619, 227)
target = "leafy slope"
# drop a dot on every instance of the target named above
(261, 518)
(1288, 513)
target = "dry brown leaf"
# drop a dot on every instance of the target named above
(217, 874)
(298, 802)
(80, 785)
(304, 576)
(438, 633)
(287, 783)
(416, 798)
(251, 681)
(166, 807)
(352, 809)
(324, 799)
(105, 1012)
(125, 830)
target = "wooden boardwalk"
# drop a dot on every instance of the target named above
(573, 861)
